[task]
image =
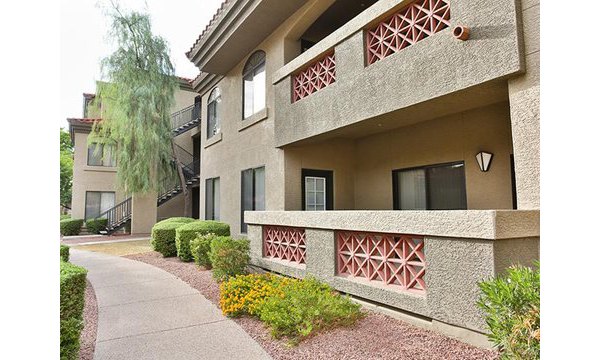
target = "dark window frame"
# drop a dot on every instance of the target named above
(395, 185)
(212, 194)
(85, 211)
(243, 225)
(328, 175)
(254, 62)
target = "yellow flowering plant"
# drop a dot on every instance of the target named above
(244, 294)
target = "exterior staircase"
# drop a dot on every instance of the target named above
(182, 121)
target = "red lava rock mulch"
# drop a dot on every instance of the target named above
(376, 336)
(87, 338)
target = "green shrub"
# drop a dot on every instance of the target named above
(200, 248)
(64, 253)
(94, 226)
(511, 303)
(163, 237)
(70, 227)
(72, 300)
(179, 219)
(229, 257)
(64, 216)
(188, 232)
(305, 307)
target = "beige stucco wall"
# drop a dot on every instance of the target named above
(363, 167)
(453, 138)
(89, 178)
(245, 144)
(338, 155)
(524, 93)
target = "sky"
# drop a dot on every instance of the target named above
(83, 41)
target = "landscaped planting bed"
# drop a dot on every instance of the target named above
(374, 336)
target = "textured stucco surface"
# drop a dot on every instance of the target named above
(524, 94)
(143, 213)
(454, 267)
(477, 224)
(428, 69)
(515, 252)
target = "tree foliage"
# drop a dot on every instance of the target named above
(136, 100)
(66, 167)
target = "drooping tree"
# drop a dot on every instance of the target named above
(136, 101)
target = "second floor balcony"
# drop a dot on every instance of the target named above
(396, 63)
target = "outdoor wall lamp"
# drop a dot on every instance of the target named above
(484, 160)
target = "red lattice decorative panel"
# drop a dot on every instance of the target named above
(391, 259)
(314, 78)
(412, 23)
(284, 243)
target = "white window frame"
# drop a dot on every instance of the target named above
(315, 191)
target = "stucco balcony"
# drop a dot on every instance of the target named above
(423, 263)
(399, 62)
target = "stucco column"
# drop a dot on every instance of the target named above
(143, 213)
(524, 96)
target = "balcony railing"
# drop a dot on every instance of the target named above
(423, 262)
(314, 78)
(185, 119)
(411, 24)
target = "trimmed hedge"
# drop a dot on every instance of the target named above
(94, 226)
(188, 232)
(163, 237)
(64, 253)
(70, 227)
(65, 216)
(229, 257)
(179, 219)
(200, 248)
(72, 300)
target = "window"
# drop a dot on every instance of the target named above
(101, 155)
(254, 84)
(213, 203)
(97, 202)
(253, 192)
(214, 107)
(435, 187)
(317, 190)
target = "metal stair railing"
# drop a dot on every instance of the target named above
(117, 216)
(182, 118)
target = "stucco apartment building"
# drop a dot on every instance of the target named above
(95, 191)
(389, 148)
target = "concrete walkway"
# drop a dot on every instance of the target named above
(147, 313)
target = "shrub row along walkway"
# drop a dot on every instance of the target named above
(147, 313)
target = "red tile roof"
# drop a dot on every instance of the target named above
(210, 24)
(184, 79)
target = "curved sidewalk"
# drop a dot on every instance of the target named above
(147, 313)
